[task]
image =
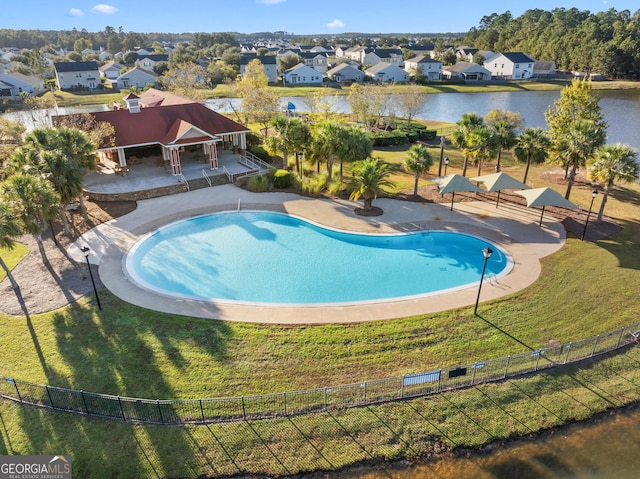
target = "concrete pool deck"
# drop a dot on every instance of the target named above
(514, 228)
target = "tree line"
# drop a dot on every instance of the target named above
(577, 40)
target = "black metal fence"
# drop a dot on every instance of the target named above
(201, 411)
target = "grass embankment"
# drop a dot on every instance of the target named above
(12, 257)
(416, 429)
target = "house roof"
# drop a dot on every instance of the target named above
(467, 67)
(301, 66)
(378, 67)
(160, 57)
(136, 71)
(64, 67)
(154, 97)
(422, 59)
(165, 124)
(111, 64)
(245, 58)
(518, 57)
(344, 68)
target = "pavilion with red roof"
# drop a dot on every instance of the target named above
(170, 122)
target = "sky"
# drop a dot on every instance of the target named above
(299, 17)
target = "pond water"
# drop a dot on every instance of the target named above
(621, 108)
(607, 447)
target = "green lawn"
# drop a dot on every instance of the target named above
(12, 257)
(585, 289)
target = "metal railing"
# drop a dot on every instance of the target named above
(184, 180)
(206, 177)
(202, 411)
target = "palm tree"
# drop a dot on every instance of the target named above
(532, 147)
(357, 145)
(482, 145)
(9, 229)
(65, 177)
(369, 179)
(419, 160)
(504, 134)
(612, 164)
(34, 202)
(282, 139)
(329, 142)
(461, 136)
(71, 143)
(579, 144)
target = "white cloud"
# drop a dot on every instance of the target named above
(270, 2)
(335, 24)
(74, 12)
(104, 9)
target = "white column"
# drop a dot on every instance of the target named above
(122, 159)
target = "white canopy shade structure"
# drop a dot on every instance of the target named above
(544, 197)
(455, 184)
(498, 182)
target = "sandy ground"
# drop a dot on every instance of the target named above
(48, 287)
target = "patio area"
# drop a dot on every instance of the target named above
(150, 172)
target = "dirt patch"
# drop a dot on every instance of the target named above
(46, 287)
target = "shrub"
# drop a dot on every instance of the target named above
(389, 138)
(253, 140)
(281, 178)
(261, 153)
(412, 136)
(315, 184)
(258, 184)
(428, 135)
(336, 186)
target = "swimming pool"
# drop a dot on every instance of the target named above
(259, 257)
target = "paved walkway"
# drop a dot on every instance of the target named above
(514, 228)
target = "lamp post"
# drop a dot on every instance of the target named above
(594, 193)
(85, 250)
(442, 142)
(486, 252)
(446, 163)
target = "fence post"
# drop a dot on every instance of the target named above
(364, 392)
(284, 400)
(538, 360)
(566, 356)
(84, 401)
(124, 418)
(202, 410)
(439, 376)
(325, 399)
(15, 384)
(160, 411)
(473, 375)
(620, 337)
(506, 367)
(244, 413)
(595, 345)
(402, 389)
(49, 394)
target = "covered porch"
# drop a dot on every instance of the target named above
(150, 172)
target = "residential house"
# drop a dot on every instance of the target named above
(465, 53)
(387, 72)
(269, 62)
(104, 55)
(466, 71)
(136, 77)
(111, 70)
(389, 55)
(77, 75)
(301, 74)
(148, 62)
(317, 61)
(544, 69)
(511, 66)
(14, 84)
(431, 69)
(345, 73)
(170, 128)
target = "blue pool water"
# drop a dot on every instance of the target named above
(265, 257)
